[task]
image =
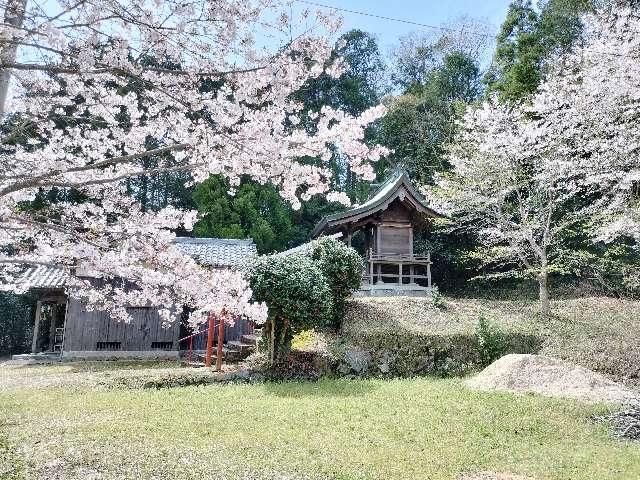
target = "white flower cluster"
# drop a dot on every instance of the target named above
(571, 151)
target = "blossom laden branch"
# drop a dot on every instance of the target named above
(106, 91)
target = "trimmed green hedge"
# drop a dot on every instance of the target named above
(296, 294)
(342, 268)
(304, 290)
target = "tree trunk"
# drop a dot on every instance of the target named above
(13, 15)
(545, 307)
(284, 341)
(272, 342)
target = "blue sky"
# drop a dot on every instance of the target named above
(430, 12)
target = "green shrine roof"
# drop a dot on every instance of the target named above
(398, 186)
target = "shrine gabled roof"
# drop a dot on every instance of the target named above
(398, 185)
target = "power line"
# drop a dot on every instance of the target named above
(382, 17)
(445, 29)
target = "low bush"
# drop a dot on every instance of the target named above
(308, 360)
(303, 340)
(436, 297)
(492, 343)
(300, 365)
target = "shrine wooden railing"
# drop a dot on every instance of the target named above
(399, 257)
(375, 274)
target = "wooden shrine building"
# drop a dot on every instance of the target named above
(387, 221)
(65, 327)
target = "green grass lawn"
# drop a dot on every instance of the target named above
(335, 429)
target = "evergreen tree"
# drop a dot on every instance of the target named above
(529, 38)
(422, 121)
(255, 211)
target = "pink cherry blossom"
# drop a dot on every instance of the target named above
(210, 82)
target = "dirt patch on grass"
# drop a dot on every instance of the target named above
(551, 377)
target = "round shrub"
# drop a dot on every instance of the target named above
(342, 267)
(297, 295)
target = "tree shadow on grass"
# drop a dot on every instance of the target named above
(99, 366)
(327, 388)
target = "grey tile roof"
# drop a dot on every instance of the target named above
(213, 252)
(44, 276)
(217, 252)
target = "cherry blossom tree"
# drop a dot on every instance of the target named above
(89, 89)
(570, 153)
(510, 197)
(588, 112)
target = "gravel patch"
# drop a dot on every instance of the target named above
(551, 377)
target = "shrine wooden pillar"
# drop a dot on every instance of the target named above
(210, 333)
(219, 351)
(36, 328)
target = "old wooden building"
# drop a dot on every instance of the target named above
(63, 326)
(385, 225)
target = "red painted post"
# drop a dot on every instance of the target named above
(207, 361)
(220, 343)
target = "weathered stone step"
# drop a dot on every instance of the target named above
(250, 339)
(239, 346)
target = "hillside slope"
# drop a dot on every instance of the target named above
(599, 333)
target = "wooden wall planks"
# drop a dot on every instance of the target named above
(84, 329)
